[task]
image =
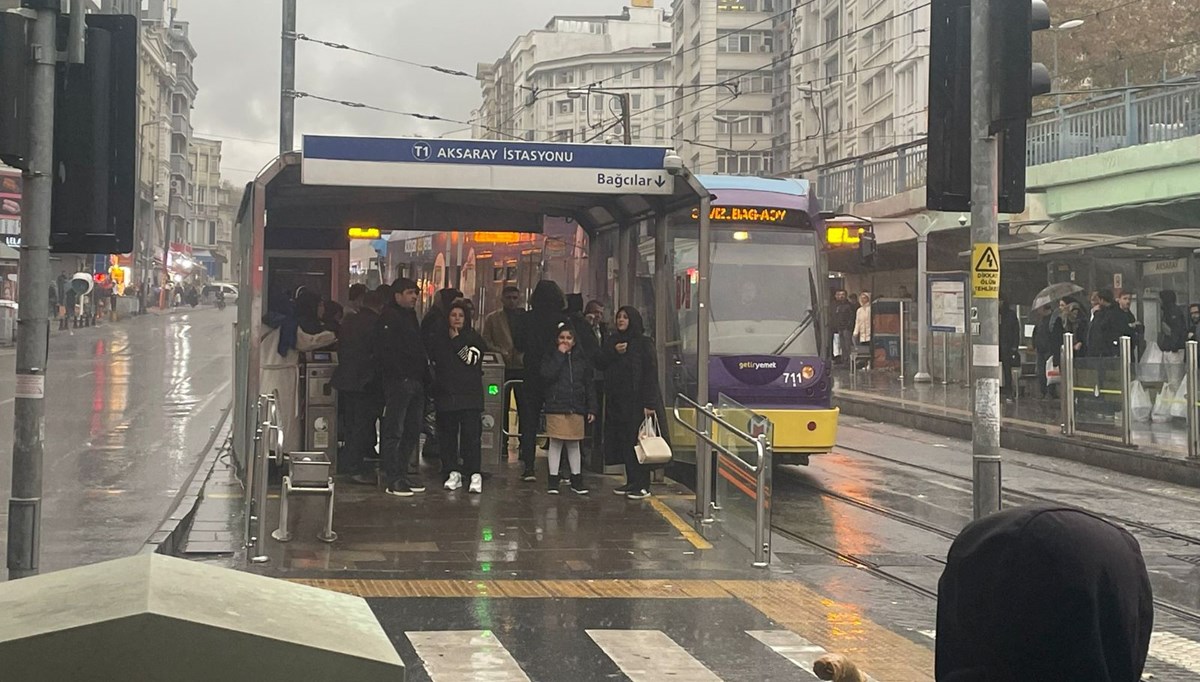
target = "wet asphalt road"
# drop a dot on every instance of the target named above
(892, 498)
(131, 408)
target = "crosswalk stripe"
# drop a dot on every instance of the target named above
(1175, 650)
(650, 656)
(464, 656)
(1166, 647)
(801, 652)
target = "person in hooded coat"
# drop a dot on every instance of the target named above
(457, 355)
(1044, 593)
(537, 332)
(631, 395)
(280, 347)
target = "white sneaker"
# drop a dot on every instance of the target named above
(476, 484)
(454, 481)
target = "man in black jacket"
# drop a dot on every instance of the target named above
(360, 392)
(404, 365)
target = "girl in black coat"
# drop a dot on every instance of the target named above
(631, 395)
(457, 354)
(566, 373)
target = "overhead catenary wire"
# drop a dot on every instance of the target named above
(342, 46)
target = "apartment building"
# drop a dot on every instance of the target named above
(204, 227)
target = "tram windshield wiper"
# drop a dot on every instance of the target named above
(805, 323)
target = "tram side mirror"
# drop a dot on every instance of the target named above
(866, 249)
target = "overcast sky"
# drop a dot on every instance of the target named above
(237, 67)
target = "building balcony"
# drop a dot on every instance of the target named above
(180, 165)
(181, 208)
(181, 125)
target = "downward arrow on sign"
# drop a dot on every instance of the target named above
(660, 182)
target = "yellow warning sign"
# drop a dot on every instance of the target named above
(985, 271)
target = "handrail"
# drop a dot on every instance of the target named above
(759, 442)
(706, 472)
(266, 419)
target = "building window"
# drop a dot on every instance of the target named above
(635, 132)
(564, 136)
(597, 102)
(565, 77)
(831, 28)
(660, 101)
(550, 109)
(636, 73)
(212, 232)
(660, 72)
(660, 133)
(566, 106)
(831, 68)
(636, 101)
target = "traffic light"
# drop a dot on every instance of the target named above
(1015, 80)
(867, 247)
(14, 91)
(95, 142)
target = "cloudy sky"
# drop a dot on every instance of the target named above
(237, 69)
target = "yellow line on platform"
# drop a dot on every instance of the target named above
(680, 525)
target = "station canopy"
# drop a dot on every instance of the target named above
(467, 185)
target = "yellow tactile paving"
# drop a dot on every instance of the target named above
(837, 627)
(679, 524)
(832, 625)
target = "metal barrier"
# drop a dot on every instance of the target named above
(1069, 369)
(1193, 417)
(706, 471)
(267, 430)
(308, 473)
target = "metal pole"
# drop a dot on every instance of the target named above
(985, 348)
(626, 116)
(662, 295)
(33, 321)
(1193, 419)
(1126, 384)
(703, 269)
(76, 32)
(903, 334)
(923, 375)
(762, 507)
(1067, 385)
(287, 84)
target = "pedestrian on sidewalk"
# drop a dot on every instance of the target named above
(570, 401)
(1106, 327)
(862, 325)
(842, 317)
(1046, 344)
(631, 396)
(499, 333)
(457, 355)
(355, 298)
(1136, 331)
(1010, 348)
(404, 365)
(537, 335)
(1044, 593)
(1074, 320)
(360, 390)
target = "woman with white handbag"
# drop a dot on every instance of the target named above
(631, 395)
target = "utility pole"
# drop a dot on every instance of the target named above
(985, 349)
(287, 85)
(626, 118)
(33, 321)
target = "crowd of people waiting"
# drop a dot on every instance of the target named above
(391, 363)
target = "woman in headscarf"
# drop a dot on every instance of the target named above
(283, 339)
(536, 334)
(631, 395)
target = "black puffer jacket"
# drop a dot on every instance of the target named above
(1043, 594)
(457, 370)
(538, 329)
(630, 378)
(569, 383)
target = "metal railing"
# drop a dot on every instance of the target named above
(268, 445)
(706, 418)
(1098, 385)
(1094, 126)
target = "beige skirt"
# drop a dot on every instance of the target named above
(565, 426)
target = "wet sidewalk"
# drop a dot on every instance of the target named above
(549, 586)
(1158, 449)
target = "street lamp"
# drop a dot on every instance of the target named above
(1069, 25)
(730, 122)
(623, 97)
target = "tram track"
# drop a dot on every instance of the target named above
(947, 534)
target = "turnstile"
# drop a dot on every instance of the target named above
(494, 445)
(320, 403)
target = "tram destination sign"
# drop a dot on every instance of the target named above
(496, 165)
(754, 214)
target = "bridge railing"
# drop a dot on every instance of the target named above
(1094, 126)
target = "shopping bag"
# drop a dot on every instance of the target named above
(1162, 404)
(1053, 374)
(652, 449)
(837, 345)
(1139, 402)
(1179, 404)
(1150, 369)
(1172, 364)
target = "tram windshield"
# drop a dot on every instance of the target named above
(763, 293)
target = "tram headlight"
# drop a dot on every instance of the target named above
(807, 372)
(741, 235)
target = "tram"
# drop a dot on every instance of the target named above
(769, 311)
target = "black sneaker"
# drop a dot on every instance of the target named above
(552, 485)
(623, 490)
(577, 484)
(528, 476)
(415, 486)
(637, 494)
(399, 488)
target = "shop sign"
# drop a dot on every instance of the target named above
(1164, 267)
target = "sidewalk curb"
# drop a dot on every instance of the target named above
(174, 529)
(1078, 448)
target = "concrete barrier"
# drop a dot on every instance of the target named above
(153, 617)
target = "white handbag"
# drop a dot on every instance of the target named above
(652, 449)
